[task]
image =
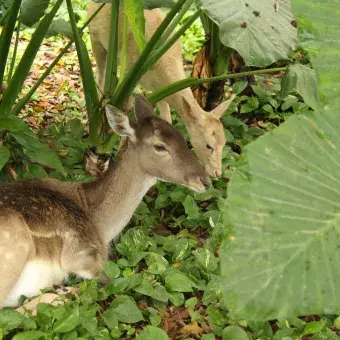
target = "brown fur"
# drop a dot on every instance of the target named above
(68, 226)
(205, 128)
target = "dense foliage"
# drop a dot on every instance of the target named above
(165, 268)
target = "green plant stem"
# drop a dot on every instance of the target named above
(6, 37)
(112, 53)
(89, 85)
(21, 72)
(168, 90)
(14, 56)
(158, 53)
(175, 22)
(123, 53)
(22, 102)
(136, 72)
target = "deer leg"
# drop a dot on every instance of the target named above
(165, 111)
(15, 247)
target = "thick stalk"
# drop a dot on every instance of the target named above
(90, 91)
(175, 22)
(168, 90)
(123, 53)
(14, 56)
(22, 102)
(112, 53)
(136, 72)
(6, 37)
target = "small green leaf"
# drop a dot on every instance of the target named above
(337, 322)
(239, 86)
(10, 319)
(206, 259)
(37, 151)
(192, 302)
(68, 322)
(190, 206)
(268, 108)
(151, 332)
(314, 327)
(234, 333)
(126, 309)
(30, 335)
(157, 264)
(111, 269)
(110, 318)
(177, 281)
(208, 337)
(160, 294)
(145, 288)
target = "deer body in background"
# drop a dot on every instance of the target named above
(205, 128)
(49, 228)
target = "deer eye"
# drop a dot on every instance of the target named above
(159, 147)
(210, 147)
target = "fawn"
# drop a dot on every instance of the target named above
(50, 228)
(205, 128)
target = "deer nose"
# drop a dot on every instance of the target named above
(218, 173)
(206, 182)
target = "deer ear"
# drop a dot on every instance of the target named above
(191, 111)
(143, 108)
(220, 109)
(120, 122)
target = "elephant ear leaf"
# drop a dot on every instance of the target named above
(284, 198)
(32, 10)
(261, 33)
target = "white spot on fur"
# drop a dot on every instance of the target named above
(85, 275)
(35, 276)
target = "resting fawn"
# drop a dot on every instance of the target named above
(205, 128)
(50, 228)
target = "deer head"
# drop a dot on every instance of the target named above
(160, 150)
(206, 133)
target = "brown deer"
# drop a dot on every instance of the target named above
(205, 128)
(50, 228)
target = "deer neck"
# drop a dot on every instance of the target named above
(113, 199)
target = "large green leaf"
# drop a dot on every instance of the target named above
(319, 21)
(253, 28)
(60, 26)
(282, 258)
(32, 10)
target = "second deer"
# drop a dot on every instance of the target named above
(49, 228)
(205, 128)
